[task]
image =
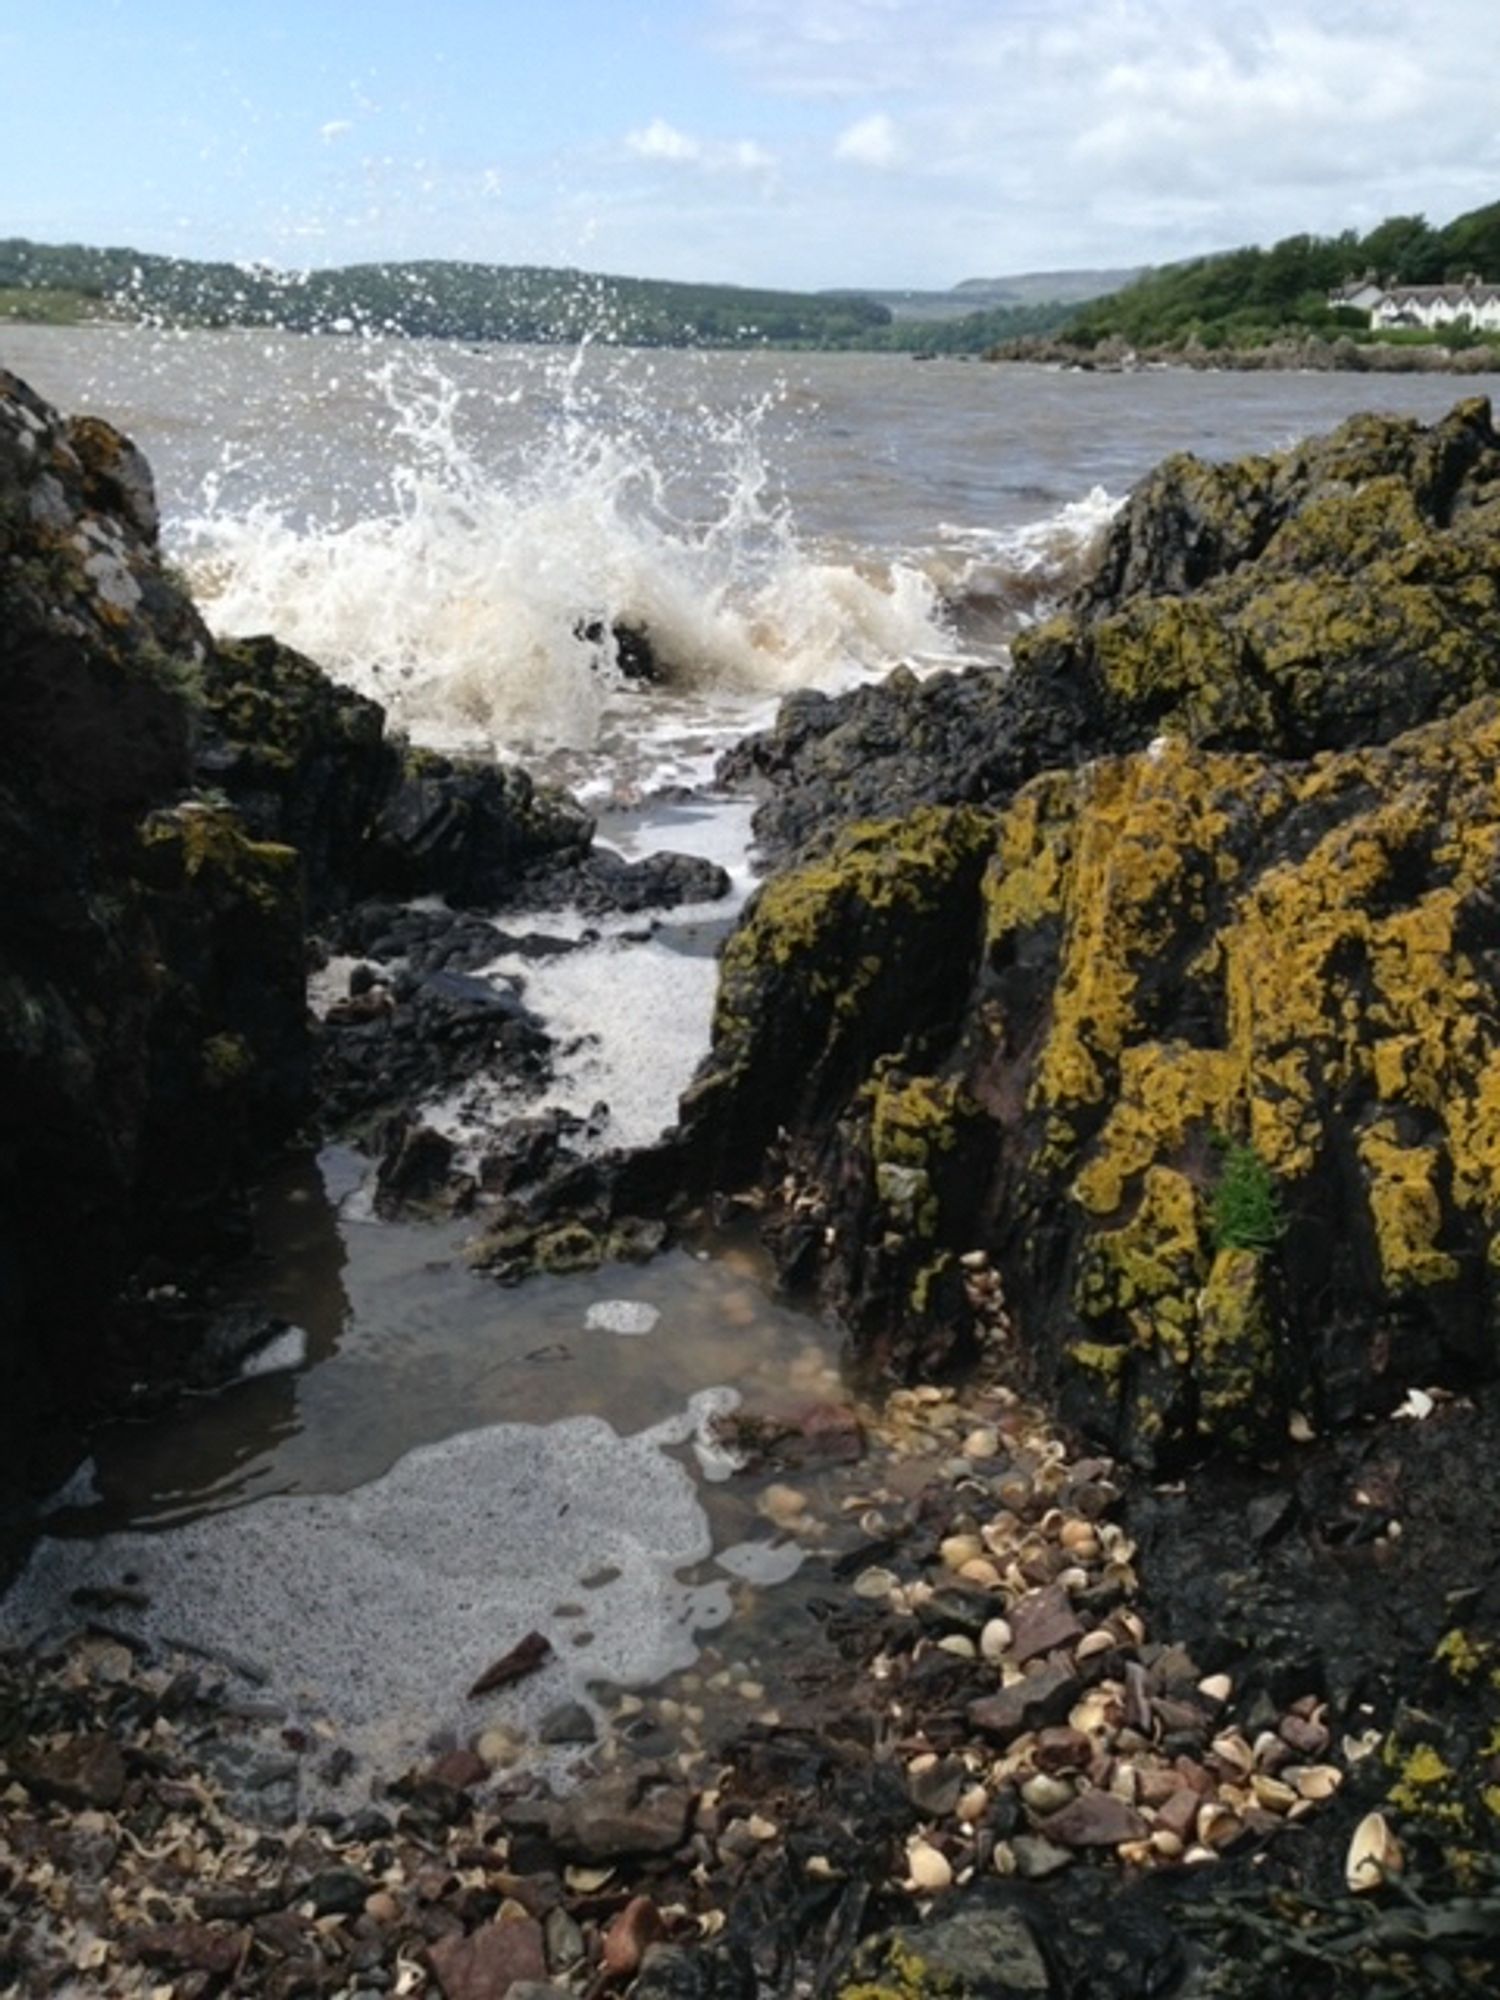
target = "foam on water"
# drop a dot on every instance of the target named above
(477, 593)
(379, 1608)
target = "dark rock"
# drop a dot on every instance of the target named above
(571, 1723)
(1042, 1622)
(468, 831)
(1044, 1696)
(83, 1771)
(416, 1163)
(523, 1658)
(626, 1814)
(1095, 1819)
(188, 1948)
(462, 1769)
(602, 883)
(489, 1962)
(337, 1892)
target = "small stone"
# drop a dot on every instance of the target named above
(959, 1645)
(1042, 1622)
(973, 1804)
(1044, 1794)
(981, 1443)
(487, 1963)
(1096, 1819)
(1036, 1857)
(337, 1892)
(638, 1925)
(564, 1940)
(86, 1771)
(460, 1768)
(624, 1814)
(935, 1789)
(1062, 1748)
(1041, 1697)
(382, 1907)
(188, 1948)
(1307, 1738)
(571, 1722)
(929, 1868)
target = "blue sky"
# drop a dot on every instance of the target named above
(796, 142)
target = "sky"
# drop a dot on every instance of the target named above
(800, 143)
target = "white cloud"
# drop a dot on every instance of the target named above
(870, 142)
(335, 129)
(661, 141)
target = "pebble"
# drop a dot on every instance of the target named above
(994, 1640)
(929, 1868)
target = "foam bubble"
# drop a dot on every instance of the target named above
(379, 1608)
(627, 1316)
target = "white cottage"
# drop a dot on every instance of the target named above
(1428, 307)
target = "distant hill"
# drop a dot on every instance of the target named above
(1243, 298)
(1025, 289)
(462, 301)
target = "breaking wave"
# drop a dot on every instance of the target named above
(479, 591)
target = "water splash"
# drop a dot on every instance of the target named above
(520, 524)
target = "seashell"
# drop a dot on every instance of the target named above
(1231, 1748)
(923, 1761)
(1133, 1625)
(1080, 1538)
(959, 1644)
(1196, 1857)
(995, 1639)
(1272, 1793)
(929, 1868)
(1095, 1642)
(975, 1260)
(981, 1443)
(1216, 1687)
(818, 1866)
(761, 1828)
(587, 1881)
(973, 1804)
(1073, 1579)
(956, 1550)
(980, 1570)
(1314, 1781)
(1166, 1844)
(1374, 1854)
(874, 1583)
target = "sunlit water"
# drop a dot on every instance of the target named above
(445, 1463)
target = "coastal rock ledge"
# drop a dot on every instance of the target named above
(1180, 1068)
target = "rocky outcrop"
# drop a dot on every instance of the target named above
(1194, 1049)
(151, 1008)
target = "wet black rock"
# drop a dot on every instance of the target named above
(602, 883)
(398, 1046)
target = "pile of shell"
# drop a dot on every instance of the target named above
(1085, 1736)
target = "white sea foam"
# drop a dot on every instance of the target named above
(464, 593)
(379, 1608)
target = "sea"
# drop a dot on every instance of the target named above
(426, 1466)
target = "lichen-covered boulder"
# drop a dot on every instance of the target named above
(1207, 1060)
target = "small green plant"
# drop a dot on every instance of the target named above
(1246, 1211)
